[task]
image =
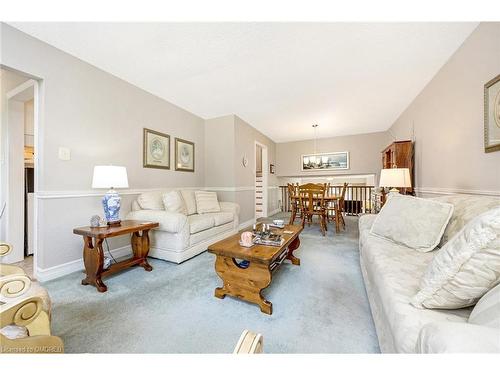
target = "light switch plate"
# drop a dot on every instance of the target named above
(64, 153)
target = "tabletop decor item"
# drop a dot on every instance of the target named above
(156, 149)
(110, 177)
(492, 115)
(246, 239)
(184, 155)
(95, 221)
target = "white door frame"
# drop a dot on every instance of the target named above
(265, 172)
(37, 143)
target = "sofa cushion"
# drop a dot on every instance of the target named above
(198, 223)
(174, 202)
(452, 337)
(168, 221)
(151, 200)
(221, 218)
(466, 208)
(487, 310)
(392, 273)
(413, 222)
(465, 268)
(206, 202)
(189, 200)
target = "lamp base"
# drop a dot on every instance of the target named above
(114, 223)
(111, 204)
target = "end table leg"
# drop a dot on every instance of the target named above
(140, 247)
(93, 258)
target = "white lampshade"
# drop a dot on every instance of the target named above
(395, 177)
(109, 176)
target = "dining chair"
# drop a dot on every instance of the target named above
(312, 202)
(339, 209)
(294, 203)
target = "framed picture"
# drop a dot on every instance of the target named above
(184, 155)
(156, 149)
(325, 161)
(271, 168)
(492, 115)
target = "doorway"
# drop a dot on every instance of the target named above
(19, 182)
(261, 177)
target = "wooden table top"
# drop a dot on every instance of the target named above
(127, 226)
(230, 246)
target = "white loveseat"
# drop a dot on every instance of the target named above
(392, 275)
(180, 237)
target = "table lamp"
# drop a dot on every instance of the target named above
(394, 178)
(110, 177)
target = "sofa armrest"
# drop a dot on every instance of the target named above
(169, 221)
(230, 207)
(366, 221)
(457, 337)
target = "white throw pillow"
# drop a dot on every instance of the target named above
(189, 200)
(173, 202)
(206, 201)
(466, 208)
(413, 222)
(487, 310)
(151, 201)
(465, 268)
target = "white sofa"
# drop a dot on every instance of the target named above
(180, 237)
(392, 274)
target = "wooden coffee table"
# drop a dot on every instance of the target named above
(247, 283)
(93, 253)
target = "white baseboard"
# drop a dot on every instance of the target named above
(46, 274)
(449, 191)
(246, 224)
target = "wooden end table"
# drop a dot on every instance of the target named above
(248, 282)
(93, 253)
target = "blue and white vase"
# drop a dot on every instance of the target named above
(111, 204)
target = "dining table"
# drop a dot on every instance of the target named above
(327, 199)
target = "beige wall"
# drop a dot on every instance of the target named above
(364, 154)
(447, 119)
(219, 151)
(227, 140)
(100, 118)
(245, 138)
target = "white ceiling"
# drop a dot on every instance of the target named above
(350, 78)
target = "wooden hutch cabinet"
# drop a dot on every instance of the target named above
(399, 154)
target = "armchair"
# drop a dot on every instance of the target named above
(24, 312)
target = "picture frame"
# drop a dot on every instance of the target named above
(156, 149)
(492, 115)
(184, 155)
(325, 161)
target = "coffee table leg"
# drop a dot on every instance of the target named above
(244, 283)
(140, 247)
(294, 245)
(93, 258)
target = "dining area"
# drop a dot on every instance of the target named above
(318, 204)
